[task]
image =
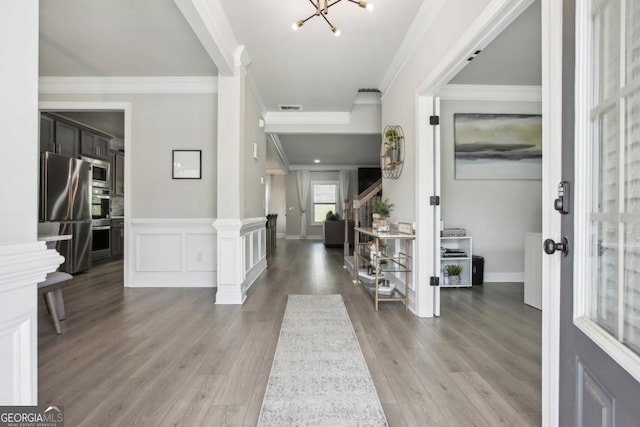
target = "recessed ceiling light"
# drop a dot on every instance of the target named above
(316, 161)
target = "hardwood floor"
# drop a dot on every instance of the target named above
(166, 356)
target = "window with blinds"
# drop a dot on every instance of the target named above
(613, 296)
(324, 200)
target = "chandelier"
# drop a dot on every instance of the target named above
(322, 9)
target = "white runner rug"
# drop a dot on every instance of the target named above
(319, 376)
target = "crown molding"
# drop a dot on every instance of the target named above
(425, 17)
(308, 118)
(251, 82)
(491, 93)
(278, 146)
(210, 24)
(190, 84)
(323, 168)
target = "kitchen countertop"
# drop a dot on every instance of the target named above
(55, 238)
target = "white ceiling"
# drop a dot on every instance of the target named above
(333, 149)
(310, 66)
(115, 38)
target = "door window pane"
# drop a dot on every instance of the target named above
(613, 294)
(605, 284)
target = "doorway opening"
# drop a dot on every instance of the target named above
(103, 120)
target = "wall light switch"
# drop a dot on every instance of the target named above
(262, 180)
(255, 150)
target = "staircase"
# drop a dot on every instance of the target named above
(359, 211)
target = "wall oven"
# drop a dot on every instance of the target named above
(100, 203)
(101, 238)
(100, 172)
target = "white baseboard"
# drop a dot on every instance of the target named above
(299, 237)
(281, 235)
(504, 277)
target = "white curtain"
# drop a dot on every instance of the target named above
(343, 179)
(302, 178)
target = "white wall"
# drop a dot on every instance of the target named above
(399, 100)
(496, 213)
(254, 169)
(162, 123)
(19, 122)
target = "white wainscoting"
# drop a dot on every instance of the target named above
(172, 253)
(22, 266)
(254, 235)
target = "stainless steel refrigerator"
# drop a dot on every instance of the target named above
(65, 198)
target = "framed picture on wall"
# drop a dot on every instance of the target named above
(187, 164)
(497, 146)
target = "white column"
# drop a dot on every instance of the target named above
(231, 113)
(23, 261)
(231, 270)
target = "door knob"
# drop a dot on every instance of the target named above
(550, 246)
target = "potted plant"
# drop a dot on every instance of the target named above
(453, 272)
(381, 212)
(392, 144)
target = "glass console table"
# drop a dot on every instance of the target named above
(377, 257)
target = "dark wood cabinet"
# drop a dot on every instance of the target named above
(47, 133)
(117, 237)
(117, 173)
(94, 145)
(59, 136)
(67, 139)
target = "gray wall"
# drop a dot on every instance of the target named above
(162, 123)
(496, 213)
(254, 169)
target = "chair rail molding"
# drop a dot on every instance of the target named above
(26, 264)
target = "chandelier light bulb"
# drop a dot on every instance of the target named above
(322, 9)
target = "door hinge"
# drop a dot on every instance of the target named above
(434, 120)
(434, 281)
(434, 201)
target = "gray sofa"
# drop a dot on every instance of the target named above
(333, 232)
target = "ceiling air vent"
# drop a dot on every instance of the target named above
(290, 107)
(368, 90)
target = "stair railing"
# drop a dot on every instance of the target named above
(360, 210)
